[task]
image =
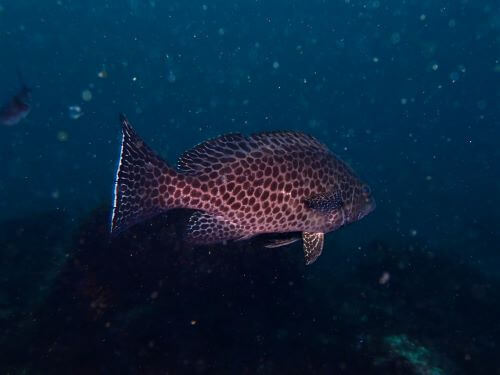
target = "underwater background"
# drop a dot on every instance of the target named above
(406, 92)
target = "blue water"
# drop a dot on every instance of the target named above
(407, 92)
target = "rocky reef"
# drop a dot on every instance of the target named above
(145, 303)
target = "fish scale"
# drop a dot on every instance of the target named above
(242, 186)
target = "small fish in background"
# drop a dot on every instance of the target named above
(242, 186)
(18, 107)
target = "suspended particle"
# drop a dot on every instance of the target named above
(276, 65)
(87, 95)
(62, 136)
(384, 278)
(171, 77)
(102, 73)
(395, 38)
(75, 112)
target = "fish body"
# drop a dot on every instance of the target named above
(17, 108)
(242, 186)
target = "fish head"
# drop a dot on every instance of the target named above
(346, 202)
(357, 200)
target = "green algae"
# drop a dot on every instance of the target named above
(421, 359)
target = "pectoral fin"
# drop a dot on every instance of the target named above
(281, 242)
(325, 202)
(313, 246)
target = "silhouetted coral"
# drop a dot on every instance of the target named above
(144, 302)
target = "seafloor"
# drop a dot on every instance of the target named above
(79, 302)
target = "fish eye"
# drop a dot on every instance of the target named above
(366, 189)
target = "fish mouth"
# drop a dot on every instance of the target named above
(367, 209)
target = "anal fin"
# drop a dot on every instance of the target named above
(204, 228)
(313, 246)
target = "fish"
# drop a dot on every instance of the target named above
(18, 107)
(280, 182)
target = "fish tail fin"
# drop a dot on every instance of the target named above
(140, 171)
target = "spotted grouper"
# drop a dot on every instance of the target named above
(242, 186)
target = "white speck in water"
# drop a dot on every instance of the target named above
(87, 95)
(375, 60)
(454, 76)
(481, 105)
(276, 65)
(221, 31)
(395, 38)
(423, 17)
(413, 232)
(171, 76)
(75, 112)
(103, 73)
(384, 278)
(404, 101)
(62, 136)
(435, 66)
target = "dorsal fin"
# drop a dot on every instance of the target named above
(208, 152)
(231, 147)
(286, 140)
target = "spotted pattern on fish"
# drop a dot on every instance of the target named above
(241, 186)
